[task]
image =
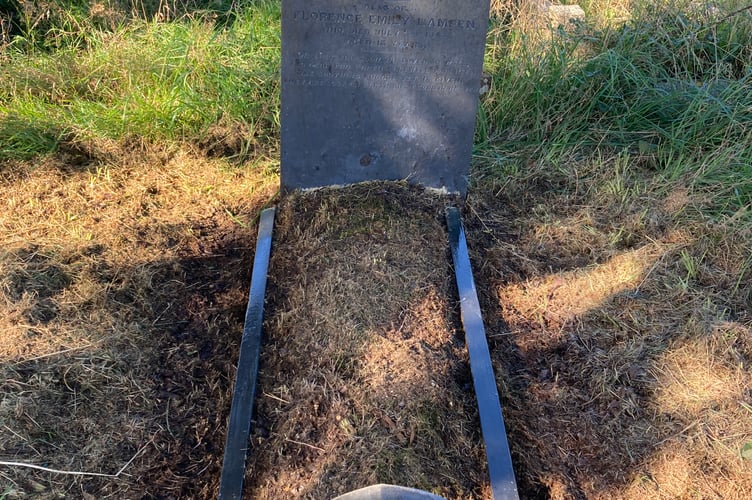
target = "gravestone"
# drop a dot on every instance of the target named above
(380, 90)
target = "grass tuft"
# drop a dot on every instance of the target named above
(159, 81)
(669, 85)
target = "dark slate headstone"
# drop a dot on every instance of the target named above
(380, 90)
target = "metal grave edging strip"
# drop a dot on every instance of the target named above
(503, 483)
(239, 428)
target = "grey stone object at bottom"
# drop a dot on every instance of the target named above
(380, 90)
(389, 492)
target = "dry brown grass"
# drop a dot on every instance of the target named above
(622, 329)
(364, 373)
(618, 317)
(123, 281)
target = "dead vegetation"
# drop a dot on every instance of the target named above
(622, 339)
(122, 289)
(619, 327)
(364, 374)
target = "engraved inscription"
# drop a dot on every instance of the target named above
(380, 89)
(377, 71)
(392, 32)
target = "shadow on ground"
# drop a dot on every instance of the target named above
(624, 372)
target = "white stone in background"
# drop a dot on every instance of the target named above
(558, 15)
(564, 14)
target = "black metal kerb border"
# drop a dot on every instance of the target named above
(501, 473)
(239, 428)
(503, 483)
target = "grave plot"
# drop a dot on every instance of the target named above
(364, 376)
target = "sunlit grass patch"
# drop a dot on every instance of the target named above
(701, 376)
(703, 386)
(563, 297)
(154, 80)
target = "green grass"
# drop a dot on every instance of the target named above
(155, 80)
(670, 87)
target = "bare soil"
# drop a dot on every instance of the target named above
(364, 375)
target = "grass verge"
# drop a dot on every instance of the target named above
(190, 80)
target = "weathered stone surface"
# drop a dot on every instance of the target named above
(563, 15)
(553, 15)
(380, 90)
